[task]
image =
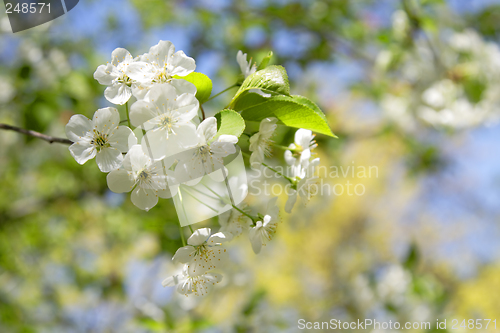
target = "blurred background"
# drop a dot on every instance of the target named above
(410, 87)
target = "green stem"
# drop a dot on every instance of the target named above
(279, 173)
(223, 91)
(272, 169)
(183, 239)
(128, 116)
(253, 218)
(180, 227)
(285, 148)
(191, 228)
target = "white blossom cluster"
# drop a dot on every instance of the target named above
(446, 81)
(163, 122)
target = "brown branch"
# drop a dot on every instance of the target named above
(202, 112)
(34, 134)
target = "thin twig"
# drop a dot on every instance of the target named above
(202, 112)
(37, 135)
(223, 91)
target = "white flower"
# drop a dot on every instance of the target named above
(246, 66)
(260, 142)
(306, 181)
(149, 180)
(160, 65)
(114, 76)
(447, 106)
(167, 118)
(186, 284)
(100, 137)
(264, 230)
(203, 253)
(208, 155)
(304, 144)
(233, 222)
(393, 284)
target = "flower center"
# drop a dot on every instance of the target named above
(125, 80)
(143, 175)
(167, 122)
(100, 140)
(202, 251)
(162, 76)
(204, 152)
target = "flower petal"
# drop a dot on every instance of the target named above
(119, 55)
(105, 74)
(228, 138)
(82, 152)
(135, 160)
(255, 239)
(141, 71)
(77, 127)
(184, 254)
(181, 64)
(241, 58)
(109, 159)
(161, 53)
(183, 86)
(207, 128)
(217, 238)
(268, 126)
(122, 138)
(199, 236)
(303, 138)
(289, 159)
(143, 198)
(223, 148)
(141, 112)
(186, 107)
(162, 94)
(106, 119)
(120, 181)
(156, 145)
(172, 281)
(118, 93)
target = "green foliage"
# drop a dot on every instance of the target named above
(412, 258)
(486, 22)
(263, 64)
(203, 85)
(229, 122)
(474, 89)
(293, 111)
(271, 80)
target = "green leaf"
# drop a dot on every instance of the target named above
(412, 257)
(229, 122)
(265, 61)
(203, 85)
(474, 90)
(271, 80)
(292, 111)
